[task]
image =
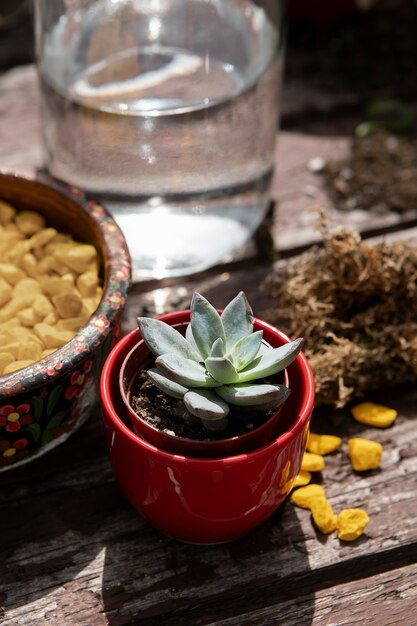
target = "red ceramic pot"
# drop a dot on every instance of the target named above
(207, 500)
(140, 358)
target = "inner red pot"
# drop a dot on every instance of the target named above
(140, 358)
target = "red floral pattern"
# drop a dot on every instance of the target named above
(80, 380)
(13, 418)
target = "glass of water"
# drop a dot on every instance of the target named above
(167, 110)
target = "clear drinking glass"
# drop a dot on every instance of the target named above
(168, 111)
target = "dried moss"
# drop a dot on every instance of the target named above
(356, 305)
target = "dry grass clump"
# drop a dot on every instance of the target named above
(356, 305)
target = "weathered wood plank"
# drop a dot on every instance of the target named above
(389, 599)
(70, 534)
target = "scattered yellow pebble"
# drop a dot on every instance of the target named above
(323, 444)
(302, 478)
(304, 496)
(323, 516)
(364, 454)
(312, 462)
(374, 414)
(351, 523)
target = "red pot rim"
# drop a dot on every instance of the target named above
(121, 349)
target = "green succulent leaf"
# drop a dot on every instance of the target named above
(253, 395)
(166, 384)
(221, 369)
(237, 319)
(184, 371)
(190, 338)
(276, 403)
(246, 349)
(206, 404)
(206, 324)
(164, 339)
(271, 362)
(218, 348)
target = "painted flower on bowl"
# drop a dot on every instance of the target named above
(79, 381)
(13, 418)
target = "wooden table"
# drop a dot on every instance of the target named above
(74, 552)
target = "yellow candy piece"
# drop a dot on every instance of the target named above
(304, 496)
(302, 478)
(351, 523)
(364, 454)
(312, 462)
(374, 414)
(323, 444)
(323, 516)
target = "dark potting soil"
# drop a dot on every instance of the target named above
(380, 174)
(170, 415)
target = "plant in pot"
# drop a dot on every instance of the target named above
(217, 374)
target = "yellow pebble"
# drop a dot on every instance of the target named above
(87, 283)
(10, 310)
(27, 287)
(351, 523)
(46, 353)
(42, 306)
(77, 258)
(304, 496)
(53, 285)
(5, 359)
(7, 212)
(42, 238)
(323, 516)
(5, 291)
(29, 222)
(67, 304)
(30, 350)
(364, 454)
(51, 318)
(312, 462)
(374, 414)
(51, 337)
(11, 273)
(90, 305)
(17, 365)
(72, 323)
(27, 317)
(15, 250)
(29, 264)
(323, 444)
(302, 478)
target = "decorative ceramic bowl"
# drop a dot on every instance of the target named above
(42, 404)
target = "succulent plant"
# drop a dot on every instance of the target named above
(216, 363)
